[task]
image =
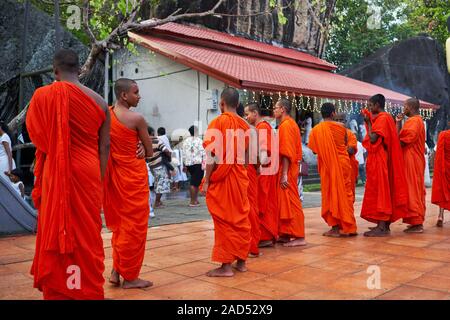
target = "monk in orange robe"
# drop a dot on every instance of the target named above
(267, 177)
(226, 186)
(329, 140)
(291, 226)
(126, 193)
(441, 178)
(69, 125)
(352, 148)
(386, 194)
(412, 140)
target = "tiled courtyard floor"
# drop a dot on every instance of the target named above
(178, 255)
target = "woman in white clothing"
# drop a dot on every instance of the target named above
(6, 160)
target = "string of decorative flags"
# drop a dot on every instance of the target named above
(313, 104)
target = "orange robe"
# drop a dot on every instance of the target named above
(441, 178)
(329, 141)
(126, 200)
(253, 213)
(267, 188)
(63, 123)
(386, 193)
(413, 136)
(353, 142)
(291, 221)
(226, 197)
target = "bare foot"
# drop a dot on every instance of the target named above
(295, 243)
(255, 255)
(440, 223)
(265, 244)
(114, 278)
(377, 232)
(136, 284)
(240, 266)
(159, 205)
(223, 271)
(414, 229)
(333, 232)
(284, 239)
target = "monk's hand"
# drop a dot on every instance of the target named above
(366, 118)
(284, 181)
(140, 151)
(399, 117)
(205, 187)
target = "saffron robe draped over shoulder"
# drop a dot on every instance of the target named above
(226, 197)
(267, 188)
(63, 123)
(413, 136)
(441, 178)
(386, 193)
(353, 143)
(126, 204)
(329, 141)
(291, 221)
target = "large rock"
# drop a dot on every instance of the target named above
(40, 48)
(415, 67)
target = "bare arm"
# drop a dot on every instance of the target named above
(141, 127)
(209, 169)
(284, 177)
(9, 154)
(104, 143)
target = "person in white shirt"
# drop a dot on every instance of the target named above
(427, 167)
(361, 160)
(193, 153)
(7, 163)
(163, 138)
(362, 131)
(15, 177)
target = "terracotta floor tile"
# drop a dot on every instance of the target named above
(356, 285)
(429, 281)
(339, 266)
(192, 269)
(238, 279)
(308, 276)
(196, 254)
(161, 278)
(188, 289)
(302, 259)
(23, 267)
(14, 279)
(165, 261)
(20, 292)
(269, 266)
(273, 288)
(441, 246)
(417, 243)
(391, 249)
(395, 275)
(413, 293)
(443, 270)
(366, 257)
(408, 263)
(322, 294)
(431, 254)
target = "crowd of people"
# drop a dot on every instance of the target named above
(91, 157)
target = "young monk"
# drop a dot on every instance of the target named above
(126, 192)
(69, 125)
(291, 219)
(386, 194)
(252, 192)
(412, 140)
(226, 186)
(441, 178)
(352, 148)
(329, 140)
(267, 178)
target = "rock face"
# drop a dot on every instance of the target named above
(40, 46)
(415, 67)
(301, 30)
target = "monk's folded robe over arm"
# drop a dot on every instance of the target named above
(63, 123)
(412, 136)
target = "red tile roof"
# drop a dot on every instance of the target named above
(260, 74)
(191, 33)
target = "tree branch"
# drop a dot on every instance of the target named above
(314, 15)
(86, 27)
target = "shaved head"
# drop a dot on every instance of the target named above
(66, 60)
(253, 107)
(122, 85)
(285, 104)
(230, 96)
(413, 103)
(341, 117)
(327, 110)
